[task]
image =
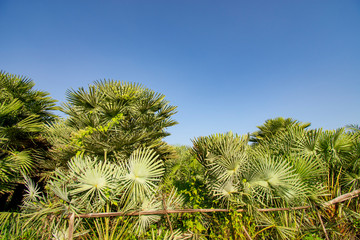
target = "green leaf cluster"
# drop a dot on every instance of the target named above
(113, 117)
(24, 112)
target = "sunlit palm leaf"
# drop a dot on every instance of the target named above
(284, 224)
(166, 235)
(93, 180)
(225, 192)
(144, 221)
(143, 171)
(334, 147)
(174, 200)
(272, 178)
(11, 107)
(21, 160)
(224, 155)
(32, 192)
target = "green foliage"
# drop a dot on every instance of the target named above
(196, 197)
(288, 166)
(24, 112)
(107, 228)
(11, 227)
(113, 117)
(244, 176)
(271, 127)
(91, 185)
(160, 234)
(113, 138)
(312, 237)
(334, 157)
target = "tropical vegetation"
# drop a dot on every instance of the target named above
(112, 118)
(24, 113)
(105, 172)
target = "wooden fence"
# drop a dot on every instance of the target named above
(336, 200)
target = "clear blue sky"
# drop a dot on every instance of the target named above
(227, 65)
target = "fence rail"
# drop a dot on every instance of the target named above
(336, 200)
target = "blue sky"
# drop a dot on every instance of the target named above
(227, 65)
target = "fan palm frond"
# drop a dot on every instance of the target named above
(143, 172)
(21, 160)
(334, 147)
(272, 127)
(145, 115)
(32, 192)
(11, 107)
(174, 200)
(224, 155)
(284, 224)
(272, 179)
(144, 221)
(94, 179)
(166, 235)
(60, 190)
(308, 144)
(225, 192)
(23, 114)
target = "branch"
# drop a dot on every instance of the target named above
(342, 198)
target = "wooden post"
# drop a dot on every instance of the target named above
(71, 226)
(322, 225)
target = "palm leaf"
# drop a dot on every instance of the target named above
(144, 221)
(94, 180)
(143, 171)
(272, 179)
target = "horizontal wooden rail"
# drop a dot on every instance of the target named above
(339, 199)
(162, 212)
(342, 198)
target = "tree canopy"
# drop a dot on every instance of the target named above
(113, 118)
(24, 112)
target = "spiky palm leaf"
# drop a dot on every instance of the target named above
(272, 181)
(174, 200)
(167, 235)
(225, 192)
(224, 155)
(32, 192)
(334, 147)
(272, 127)
(283, 225)
(94, 116)
(23, 113)
(90, 181)
(142, 172)
(144, 221)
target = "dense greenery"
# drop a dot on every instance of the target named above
(24, 112)
(112, 118)
(111, 157)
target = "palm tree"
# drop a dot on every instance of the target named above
(113, 117)
(353, 127)
(93, 185)
(336, 154)
(23, 115)
(273, 126)
(259, 177)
